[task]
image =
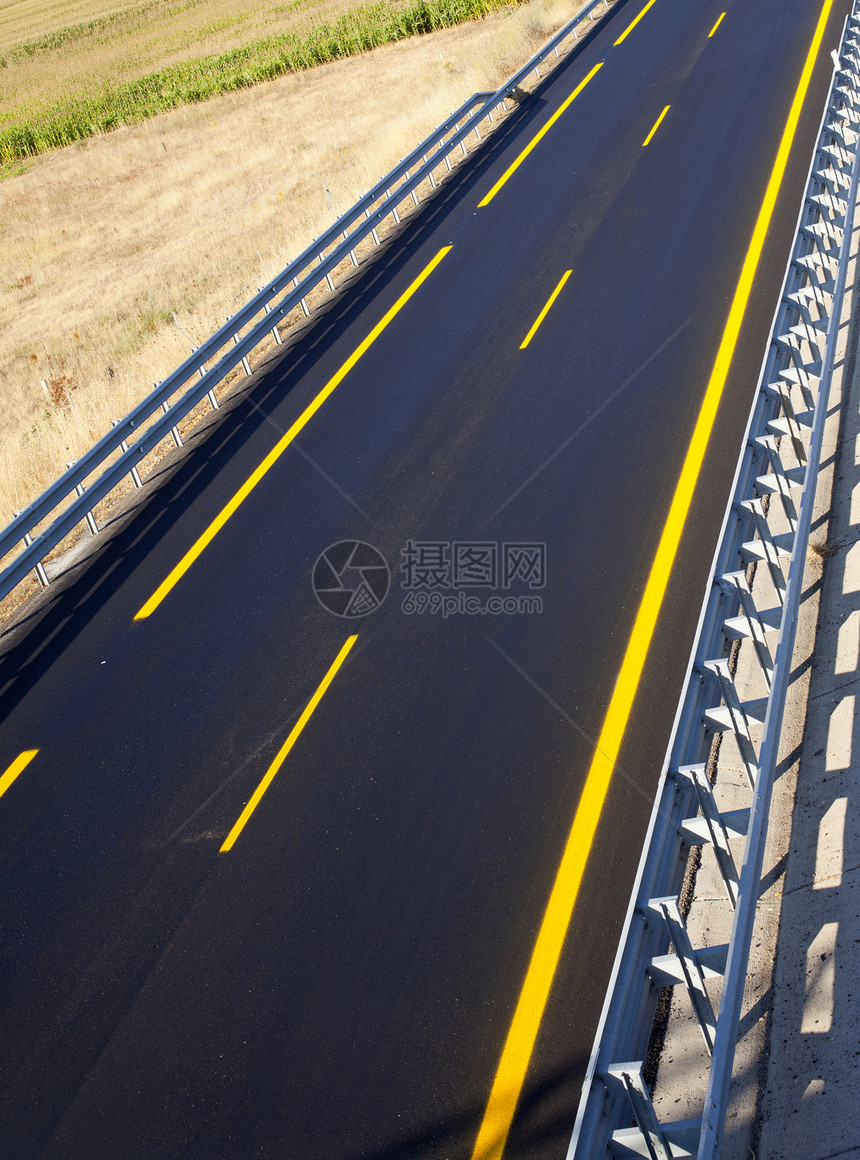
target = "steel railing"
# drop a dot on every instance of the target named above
(753, 598)
(160, 412)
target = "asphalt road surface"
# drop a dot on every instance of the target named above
(336, 979)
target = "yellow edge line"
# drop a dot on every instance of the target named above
(539, 137)
(18, 766)
(516, 1054)
(630, 27)
(716, 26)
(656, 126)
(287, 746)
(274, 455)
(545, 310)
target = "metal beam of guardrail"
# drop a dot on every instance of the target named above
(765, 527)
(274, 302)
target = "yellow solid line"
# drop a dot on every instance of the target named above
(18, 765)
(545, 310)
(286, 747)
(630, 27)
(518, 162)
(716, 26)
(656, 126)
(516, 1054)
(274, 455)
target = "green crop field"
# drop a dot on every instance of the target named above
(64, 79)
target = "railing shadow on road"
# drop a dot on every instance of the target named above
(541, 1129)
(34, 638)
(142, 431)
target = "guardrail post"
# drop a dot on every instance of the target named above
(780, 480)
(134, 473)
(274, 331)
(430, 174)
(791, 422)
(201, 370)
(393, 207)
(89, 517)
(328, 279)
(345, 236)
(629, 1077)
(801, 379)
(676, 928)
(790, 344)
(373, 232)
(246, 366)
(41, 574)
(305, 310)
(816, 268)
(767, 547)
(751, 625)
(446, 158)
(174, 431)
(735, 716)
(824, 235)
(802, 301)
(713, 828)
(412, 191)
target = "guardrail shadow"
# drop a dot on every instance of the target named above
(39, 634)
(809, 1091)
(541, 1131)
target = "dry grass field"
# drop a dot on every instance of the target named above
(191, 211)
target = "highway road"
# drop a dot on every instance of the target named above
(336, 972)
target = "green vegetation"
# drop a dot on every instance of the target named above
(50, 41)
(187, 82)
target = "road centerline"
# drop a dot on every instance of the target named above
(522, 1034)
(18, 766)
(545, 310)
(281, 757)
(656, 126)
(633, 24)
(203, 541)
(717, 25)
(517, 162)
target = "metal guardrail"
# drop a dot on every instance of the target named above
(261, 314)
(766, 532)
